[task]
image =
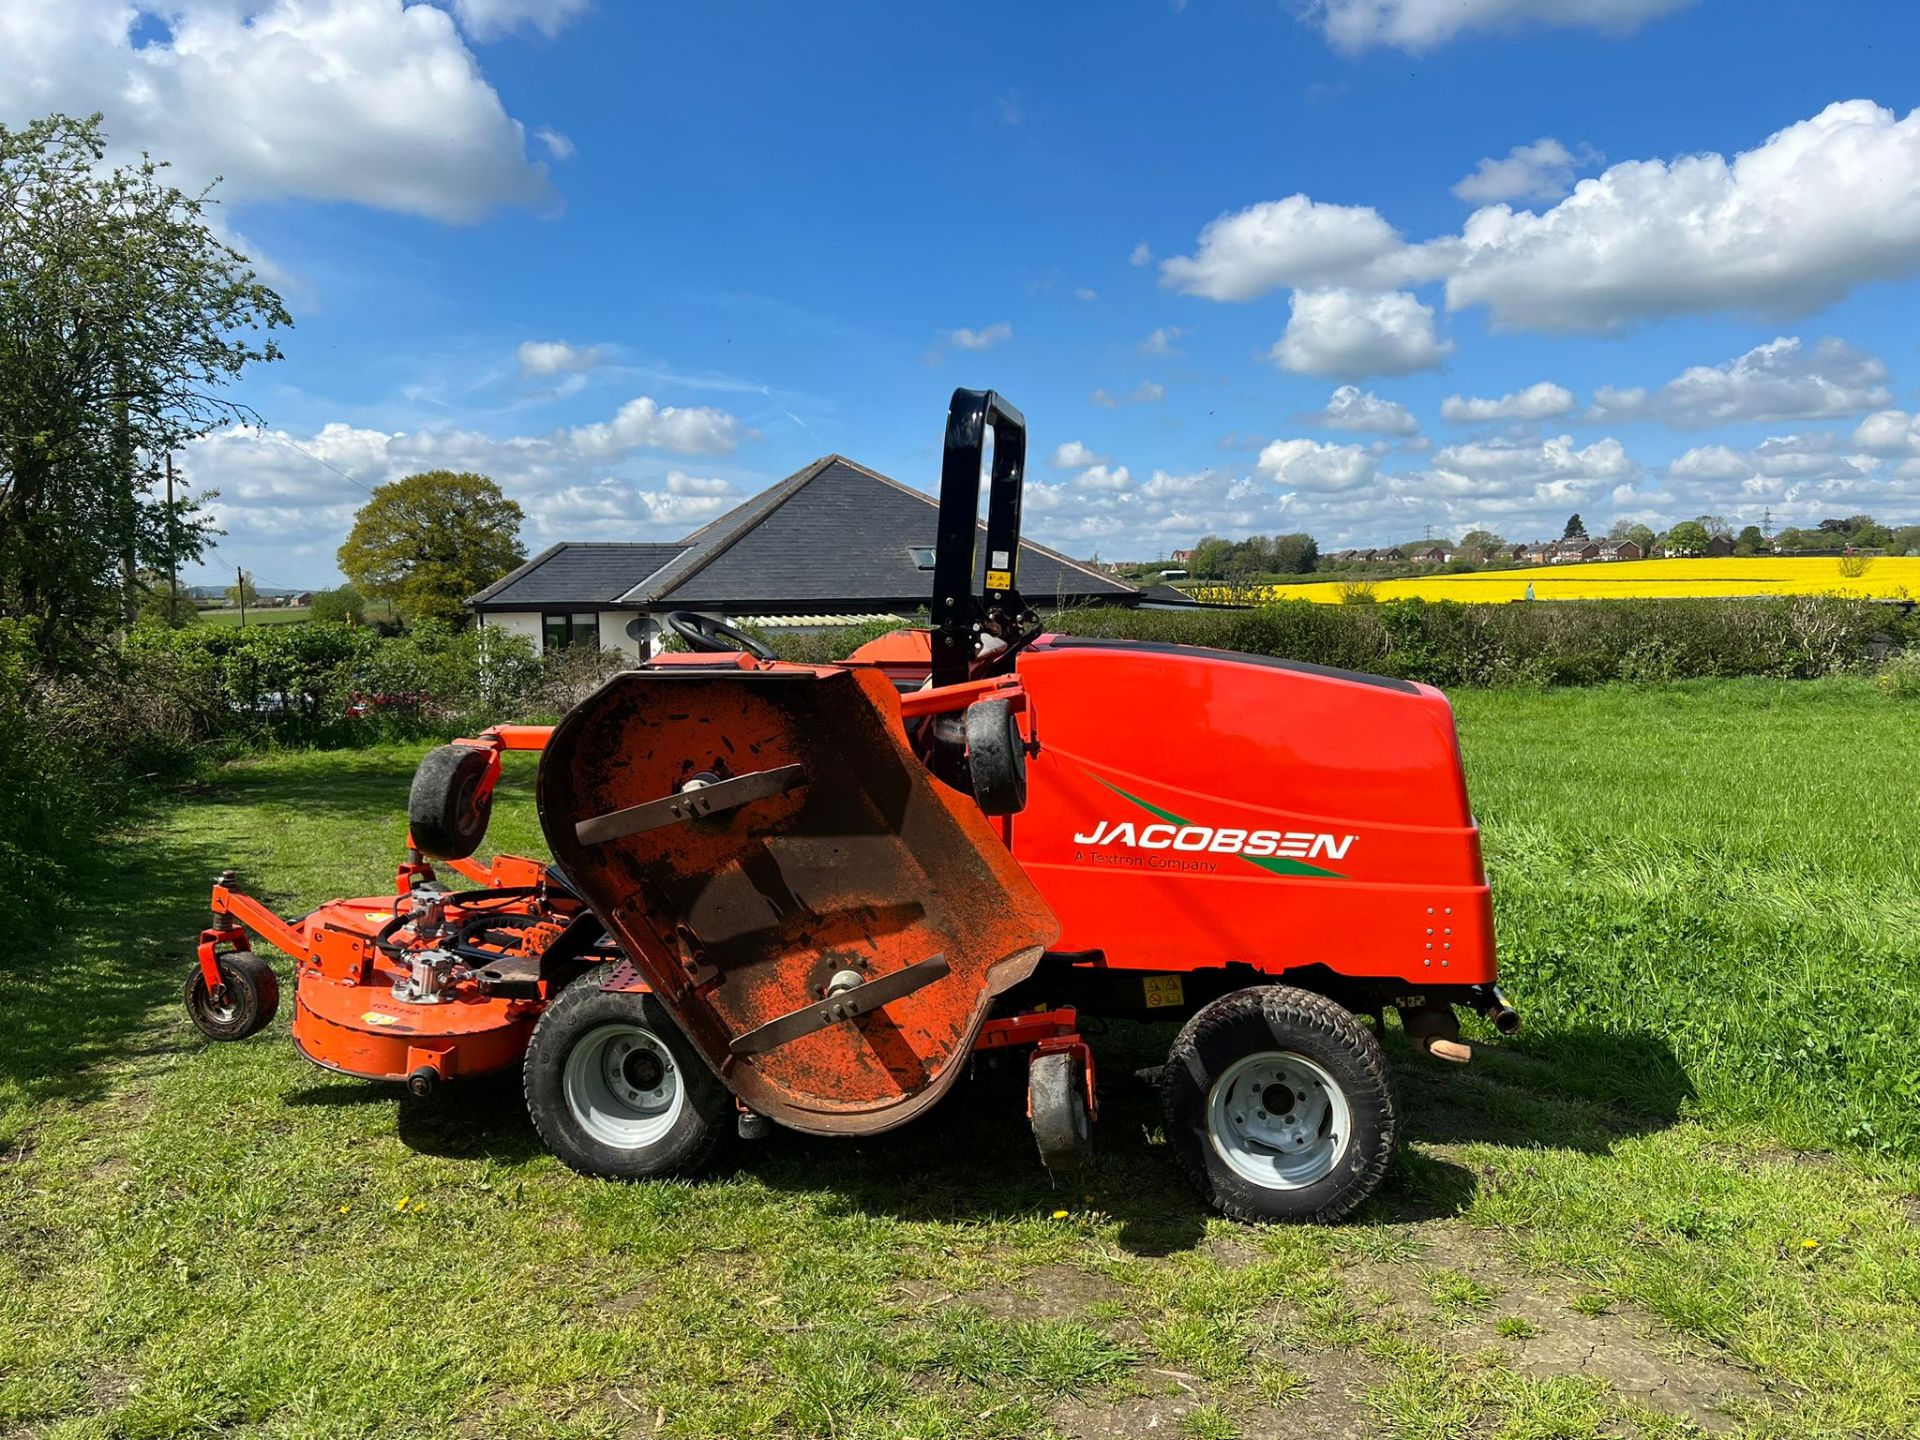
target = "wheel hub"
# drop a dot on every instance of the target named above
(1278, 1119)
(621, 1086)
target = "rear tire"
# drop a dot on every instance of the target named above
(616, 1091)
(1280, 1106)
(444, 815)
(247, 1001)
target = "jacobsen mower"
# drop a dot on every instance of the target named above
(806, 894)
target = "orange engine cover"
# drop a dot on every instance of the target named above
(758, 911)
(1191, 808)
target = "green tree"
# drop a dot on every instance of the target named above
(1295, 554)
(1576, 528)
(344, 606)
(1641, 535)
(1689, 537)
(1209, 558)
(429, 541)
(122, 314)
(1482, 543)
(1749, 541)
(164, 605)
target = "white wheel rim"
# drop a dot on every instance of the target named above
(1275, 1148)
(623, 1086)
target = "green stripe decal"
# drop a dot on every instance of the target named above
(1272, 865)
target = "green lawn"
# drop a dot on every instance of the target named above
(1684, 1198)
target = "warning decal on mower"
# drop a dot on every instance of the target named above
(1279, 852)
(1164, 990)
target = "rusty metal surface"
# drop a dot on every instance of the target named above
(742, 917)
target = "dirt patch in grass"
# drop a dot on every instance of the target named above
(1460, 1285)
(1052, 1292)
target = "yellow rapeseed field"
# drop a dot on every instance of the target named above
(1880, 578)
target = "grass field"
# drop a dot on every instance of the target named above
(1879, 578)
(289, 615)
(1686, 1198)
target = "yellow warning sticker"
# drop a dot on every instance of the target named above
(1164, 990)
(374, 1017)
(378, 914)
(999, 579)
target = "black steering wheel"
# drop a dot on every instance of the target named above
(710, 636)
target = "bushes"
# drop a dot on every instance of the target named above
(332, 684)
(1563, 643)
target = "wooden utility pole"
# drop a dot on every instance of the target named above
(240, 589)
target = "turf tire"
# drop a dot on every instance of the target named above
(570, 1020)
(996, 758)
(252, 999)
(1269, 1018)
(444, 816)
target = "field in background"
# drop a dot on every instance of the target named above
(1686, 1193)
(284, 615)
(1877, 578)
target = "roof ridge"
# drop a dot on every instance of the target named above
(981, 524)
(775, 496)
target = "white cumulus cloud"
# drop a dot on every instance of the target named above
(1312, 465)
(369, 101)
(1808, 215)
(1543, 170)
(984, 338)
(1543, 401)
(1348, 333)
(556, 357)
(1072, 455)
(1351, 408)
(1781, 380)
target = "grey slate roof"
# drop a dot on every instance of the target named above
(834, 535)
(575, 573)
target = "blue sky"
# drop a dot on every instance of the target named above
(638, 261)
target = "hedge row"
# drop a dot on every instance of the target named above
(1559, 643)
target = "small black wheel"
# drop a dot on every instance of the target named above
(1057, 1096)
(445, 814)
(616, 1091)
(1280, 1106)
(996, 757)
(245, 1002)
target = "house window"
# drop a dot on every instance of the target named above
(922, 556)
(557, 632)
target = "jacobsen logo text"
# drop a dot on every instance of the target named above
(1285, 844)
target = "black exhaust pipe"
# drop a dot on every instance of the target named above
(1494, 1006)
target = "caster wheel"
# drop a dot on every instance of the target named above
(244, 1003)
(1057, 1097)
(1279, 1106)
(444, 815)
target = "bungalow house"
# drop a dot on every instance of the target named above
(1437, 555)
(833, 543)
(1621, 550)
(1392, 552)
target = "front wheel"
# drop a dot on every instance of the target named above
(1279, 1106)
(616, 1091)
(242, 1004)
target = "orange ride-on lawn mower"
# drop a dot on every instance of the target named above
(806, 894)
